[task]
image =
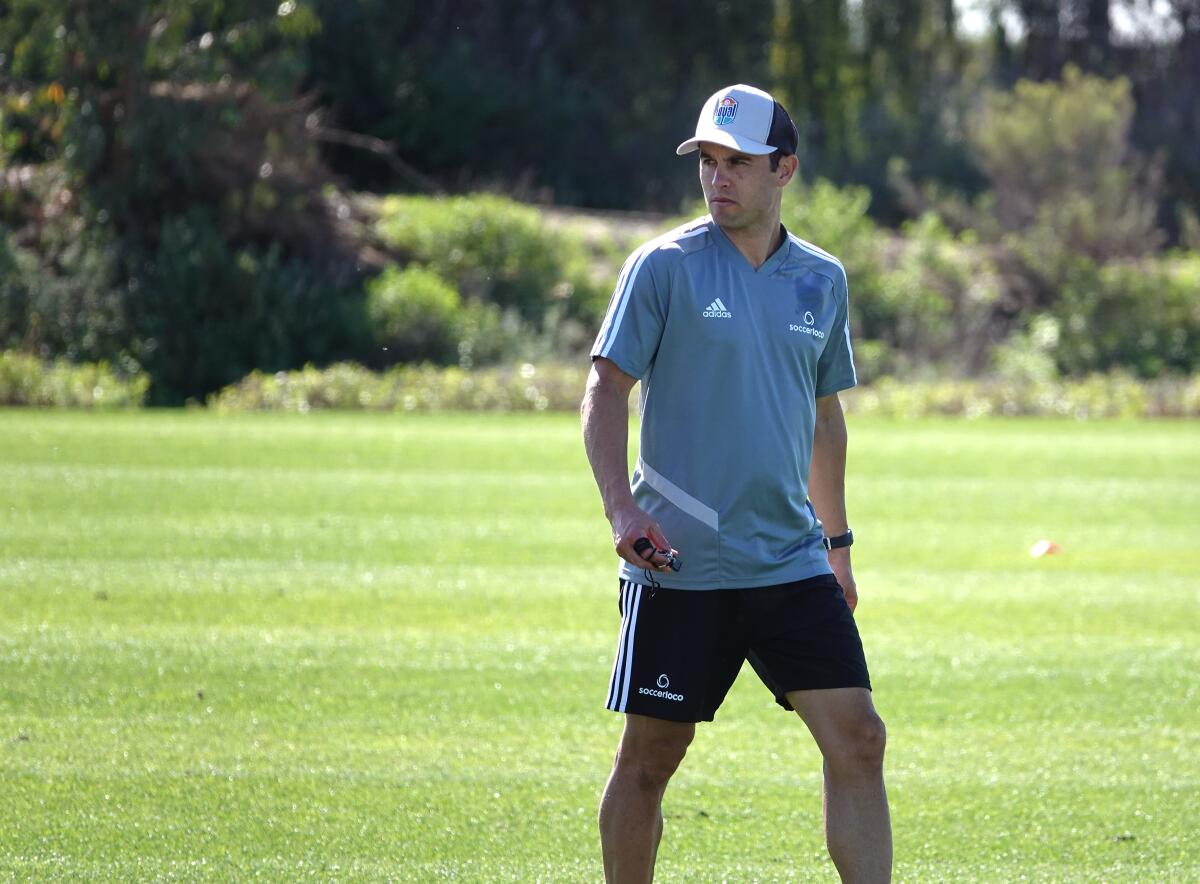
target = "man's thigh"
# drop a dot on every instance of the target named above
(841, 720)
(802, 637)
(649, 737)
(832, 710)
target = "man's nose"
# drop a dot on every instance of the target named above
(719, 178)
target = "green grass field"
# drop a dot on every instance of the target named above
(366, 647)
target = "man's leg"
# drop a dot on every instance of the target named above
(631, 810)
(851, 737)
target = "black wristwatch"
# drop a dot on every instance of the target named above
(838, 542)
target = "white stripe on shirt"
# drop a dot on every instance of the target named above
(625, 283)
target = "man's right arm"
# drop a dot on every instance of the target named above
(605, 415)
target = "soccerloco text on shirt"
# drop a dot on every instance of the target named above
(809, 327)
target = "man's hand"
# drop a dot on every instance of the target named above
(839, 561)
(628, 524)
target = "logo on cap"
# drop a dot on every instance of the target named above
(725, 112)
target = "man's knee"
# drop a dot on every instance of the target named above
(653, 756)
(861, 745)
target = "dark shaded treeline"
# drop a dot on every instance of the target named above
(579, 102)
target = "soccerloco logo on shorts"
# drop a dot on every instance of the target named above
(661, 691)
(726, 111)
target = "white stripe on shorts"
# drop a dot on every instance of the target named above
(637, 601)
(616, 670)
(618, 687)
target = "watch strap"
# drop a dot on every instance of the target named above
(842, 540)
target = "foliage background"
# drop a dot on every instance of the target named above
(197, 189)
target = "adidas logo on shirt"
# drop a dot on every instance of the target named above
(717, 310)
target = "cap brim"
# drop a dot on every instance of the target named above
(726, 139)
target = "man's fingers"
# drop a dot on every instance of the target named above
(643, 552)
(650, 550)
(636, 552)
(640, 541)
(661, 543)
(654, 533)
(654, 557)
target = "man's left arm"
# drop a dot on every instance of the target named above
(827, 486)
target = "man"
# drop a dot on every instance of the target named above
(738, 332)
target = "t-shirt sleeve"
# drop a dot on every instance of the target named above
(633, 325)
(835, 368)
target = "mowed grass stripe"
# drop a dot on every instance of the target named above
(368, 647)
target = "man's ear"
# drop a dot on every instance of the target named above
(787, 168)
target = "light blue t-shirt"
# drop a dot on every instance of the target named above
(731, 361)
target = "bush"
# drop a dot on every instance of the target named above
(414, 313)
(557, 387)
(835, 219)
(193, 310)
(1144, 317)
(191, 229)
(408, 388)
(59, 275)
(1097, 396)
(937, 303)
(207, 312)
(73, 310)
(495, 250)
(416, 316)
(27, 380)
(1065, 180)
(487, 335)
(1028, 355)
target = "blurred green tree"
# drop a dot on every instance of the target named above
(185, 151)
(1065, 177)
(817, 76)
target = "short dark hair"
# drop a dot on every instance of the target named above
(783, 135)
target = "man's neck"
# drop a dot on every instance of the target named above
(758, 242)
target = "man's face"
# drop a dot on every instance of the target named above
(740, 189)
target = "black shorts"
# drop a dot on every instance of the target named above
(680, 650)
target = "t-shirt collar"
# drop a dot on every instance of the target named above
(768, 266)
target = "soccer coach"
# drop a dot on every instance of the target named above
(738, 331)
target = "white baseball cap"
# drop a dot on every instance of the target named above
(746, 119)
